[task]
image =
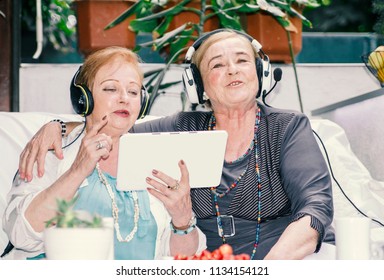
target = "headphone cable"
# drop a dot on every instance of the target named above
(341, 189)
(10, 246)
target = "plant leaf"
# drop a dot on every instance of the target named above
(168, 37)
(183, 38)
(67, 217)
(133, 10)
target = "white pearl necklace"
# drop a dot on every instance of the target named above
(115, 209)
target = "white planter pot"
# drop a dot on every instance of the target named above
(79, 243)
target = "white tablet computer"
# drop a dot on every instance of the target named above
(140, 153)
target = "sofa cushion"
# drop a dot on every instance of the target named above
(16, 129)
(354, 179)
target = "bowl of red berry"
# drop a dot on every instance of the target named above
(224, 252)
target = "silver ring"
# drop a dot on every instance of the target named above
(175, 187)
(99, 145)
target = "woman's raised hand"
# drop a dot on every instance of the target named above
(94, 146)
(174, 194)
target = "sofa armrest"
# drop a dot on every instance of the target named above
(351, 177)
(16, 129)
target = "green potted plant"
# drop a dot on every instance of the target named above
(378, 8)
(74, 234)
(175, 25)
(59, 23)
(93, 16)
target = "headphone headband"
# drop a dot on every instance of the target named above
(199, 41)
(82, 99)
(192, 80)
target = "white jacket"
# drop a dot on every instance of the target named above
(29, 243)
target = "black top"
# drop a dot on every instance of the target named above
(294, 181)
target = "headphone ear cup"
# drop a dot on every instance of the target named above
(198, 81)
(143, 102)
(82, 100)
(193, 84)
(264, 73)
(259, 71)
(266, 76)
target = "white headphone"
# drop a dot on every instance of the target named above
(193, 83)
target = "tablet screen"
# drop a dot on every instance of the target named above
(202, 151)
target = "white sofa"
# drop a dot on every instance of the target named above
(367, 194)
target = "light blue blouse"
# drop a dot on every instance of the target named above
(95, 198)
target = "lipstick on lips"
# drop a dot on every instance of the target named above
(122, 113)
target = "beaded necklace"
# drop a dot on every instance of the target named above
(115, 209)
(216, 195)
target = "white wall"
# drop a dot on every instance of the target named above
(45, 87)
(322, 85)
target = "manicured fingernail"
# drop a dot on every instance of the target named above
(148, 179)
(154, 171)
(182, 162)
(40, 174)
(104, 117)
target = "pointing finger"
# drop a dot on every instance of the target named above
(97, 126)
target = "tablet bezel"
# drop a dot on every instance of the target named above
(202, 151)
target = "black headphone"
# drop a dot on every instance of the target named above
(82, 100)
(193, 83)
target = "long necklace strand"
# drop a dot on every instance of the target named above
(216, 195)
(115, 209)
(212, 126)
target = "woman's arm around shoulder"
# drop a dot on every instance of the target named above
(49, 137)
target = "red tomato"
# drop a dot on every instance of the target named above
(226, 249)
(216, 255)
(224, 252)
(206, 255)
(242, 257)
(228, 257)
(180, 257)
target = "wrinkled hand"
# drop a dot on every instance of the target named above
(94, 146)
(48, 137)
(176, 201)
